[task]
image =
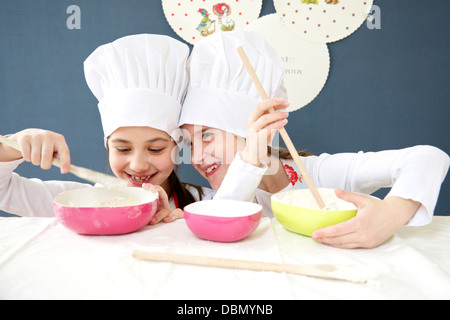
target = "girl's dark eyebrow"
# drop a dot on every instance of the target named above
(119, 140)
(157, 139)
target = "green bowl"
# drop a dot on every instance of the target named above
(305, 220)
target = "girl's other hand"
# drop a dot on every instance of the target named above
(164, 212)
(40, 147)
(376, 221)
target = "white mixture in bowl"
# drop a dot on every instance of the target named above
(105, 197)
(118, 202)
(304, 198)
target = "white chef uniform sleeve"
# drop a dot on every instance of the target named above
(413, 173)
(29, 197)
(241, 181)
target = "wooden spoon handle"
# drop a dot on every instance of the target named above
(283, 133)
(325, 271)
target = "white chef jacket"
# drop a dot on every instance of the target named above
(413, 173)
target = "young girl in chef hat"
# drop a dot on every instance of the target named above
(222, 115)
(140, 82)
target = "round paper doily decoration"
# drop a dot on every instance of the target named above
(193, 20)
(323, 20)
(306, 63)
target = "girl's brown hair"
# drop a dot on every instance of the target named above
(184, 196)
(284, 153)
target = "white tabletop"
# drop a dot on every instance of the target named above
(41, 259)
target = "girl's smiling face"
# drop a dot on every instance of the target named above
(141, 155)
(212, 151)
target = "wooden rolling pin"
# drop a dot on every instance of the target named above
(325, 271)
(283, 133)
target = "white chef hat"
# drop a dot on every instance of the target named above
(139, 80)
(221, 93)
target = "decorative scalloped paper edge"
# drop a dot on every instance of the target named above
(183, 15)
(293, 84)
(300, 22)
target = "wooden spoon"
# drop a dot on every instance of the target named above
(325, 271)
(283, 133)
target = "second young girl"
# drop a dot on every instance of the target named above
(229, 128)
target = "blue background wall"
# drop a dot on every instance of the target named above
(387, 88)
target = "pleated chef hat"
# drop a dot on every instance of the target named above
(139, 80)
(221, 93)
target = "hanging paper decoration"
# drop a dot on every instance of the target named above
(306, 63)
(194, 19)
(323, 21)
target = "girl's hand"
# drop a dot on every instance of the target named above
(376, 221)
(164, 212)
(261, 129)
(39, 147)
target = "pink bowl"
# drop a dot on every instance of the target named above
(105, 211)
(222, 220)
